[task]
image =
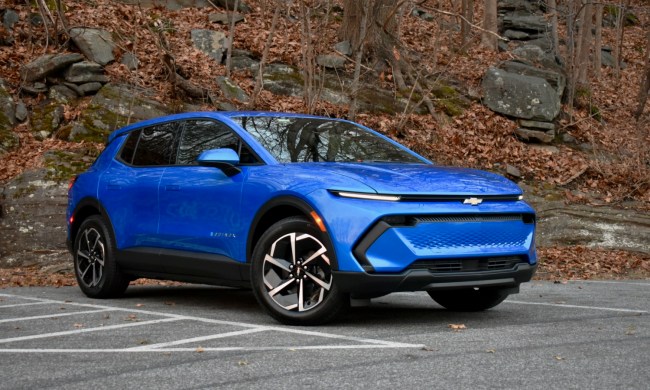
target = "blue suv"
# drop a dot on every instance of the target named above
(307, 211)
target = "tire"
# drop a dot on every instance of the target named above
(471, 299)
(95, 267)
(296, 287)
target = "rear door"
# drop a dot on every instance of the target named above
(129, 190)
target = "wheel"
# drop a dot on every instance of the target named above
(471, 299)
(95, 267)
(291, 274)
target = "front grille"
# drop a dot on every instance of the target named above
(468, 264)
(468, 218)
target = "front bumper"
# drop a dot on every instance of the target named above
(422, 280)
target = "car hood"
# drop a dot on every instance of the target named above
(421, 179)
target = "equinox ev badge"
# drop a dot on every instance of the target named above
(473, 201)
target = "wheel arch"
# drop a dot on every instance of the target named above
(274, 211)
(85, 208)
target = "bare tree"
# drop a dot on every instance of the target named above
(598, 38)
(584, 43)
(382, 42)
(490, 25)
(645, 83)
(552, 7)
(467, 11)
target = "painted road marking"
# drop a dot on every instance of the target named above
(22, 304)
(57, 315)
(85, 330)
(576, 306)
(364, 343)
(610, 282)
(200, 338)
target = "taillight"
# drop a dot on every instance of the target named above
(71, 183)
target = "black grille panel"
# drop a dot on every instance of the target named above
(468, 218)
(468, 265)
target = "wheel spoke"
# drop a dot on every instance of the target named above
(281, 287)
(277, 262)
(301, 299)
(320, 282)
(83, 273)
(95, 243)
(100, 258)
(82, 254)
(318, 253)
(292, 238)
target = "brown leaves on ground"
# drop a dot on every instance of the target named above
(34, 276)
(580, 262)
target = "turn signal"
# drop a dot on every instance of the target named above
(318, 221)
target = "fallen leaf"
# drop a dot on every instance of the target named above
(428, 349)
(242, 362)
(139, 304)
(558, 357)
(457, 327)
(200, 349)
(490, 350)
(77, 325)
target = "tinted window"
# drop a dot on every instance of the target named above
(129, 146)
(156, 145)
(291, 139)
(202, 135)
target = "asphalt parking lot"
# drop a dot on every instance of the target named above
(574, 335)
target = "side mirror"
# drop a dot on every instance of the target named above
(224, 159)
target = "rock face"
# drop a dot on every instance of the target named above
(96, 44)
(212, 43)
(601, 227)
(230, 90)
(8, 139)
(32, 220)
(520, 96)
(115, 106)
(47, 64)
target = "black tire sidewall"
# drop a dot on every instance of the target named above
(333, 303)
(112, 282)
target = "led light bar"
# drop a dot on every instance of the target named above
(362, 195)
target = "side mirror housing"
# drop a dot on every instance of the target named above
(224, 159)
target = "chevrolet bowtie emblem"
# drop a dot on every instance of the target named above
(473, 201)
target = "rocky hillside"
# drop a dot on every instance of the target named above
(69, 77)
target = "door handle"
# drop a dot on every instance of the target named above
(172, 187)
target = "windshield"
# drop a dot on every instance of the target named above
(291, 139)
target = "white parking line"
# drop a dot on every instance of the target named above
(576, 306)
(54, 315)
(86, 330)
(200, 338)
(364, 343)
(611, 282)
(23, 304)
(207, 349)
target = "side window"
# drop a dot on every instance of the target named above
(156, 145)
(201, 135)
(129, 147)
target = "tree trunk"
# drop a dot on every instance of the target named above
(552, 6)
(598, 41)
(645, 83)
(467, 12)
(490, 25)
(585, 42)
(382, 43)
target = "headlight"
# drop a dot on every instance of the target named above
(367, 196)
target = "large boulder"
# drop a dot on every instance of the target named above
(520, 96)
(32, 210)
(47, 64)
(212, 43)
(525, 21)
(115, 106)
(556, 79)
(96, 44)
(231, 91)
(8, 139)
